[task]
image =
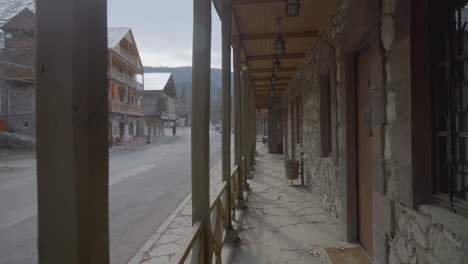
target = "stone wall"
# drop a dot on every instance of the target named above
(275, 127)
(321, 172)
(404, 231)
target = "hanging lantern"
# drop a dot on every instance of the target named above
(244, 66)
(273, 79)
(277, 65)
(280, 46)
(280, 43)
(292, 8)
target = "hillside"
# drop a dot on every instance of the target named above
(183, 77)
(183, 83)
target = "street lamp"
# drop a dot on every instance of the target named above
(292, 7)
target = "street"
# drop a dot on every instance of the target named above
(145, 186)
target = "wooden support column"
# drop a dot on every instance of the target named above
(201, 60)
(245, 127)
(226, 128)
(72, 146)
(253, 129)
(248, 132)
(244, 116)
(237, 106)
(238, 123)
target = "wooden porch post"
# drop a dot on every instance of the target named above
(201, 60)
(226, 128)
(244, 124)
(238, 122)
(253, 136)
(72, 146)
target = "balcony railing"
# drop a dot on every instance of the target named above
(168, 116)
(126, 80)
(131, 58)
(218, 230)
(119, 107)
(20, 73)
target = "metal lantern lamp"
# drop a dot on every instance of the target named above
(277, 65)
(273, 79)
(280, 46)
(292, 8)
(280, 43)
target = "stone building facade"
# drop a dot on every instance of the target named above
(322, 119)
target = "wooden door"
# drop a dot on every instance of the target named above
(364, 149)
(293, 131)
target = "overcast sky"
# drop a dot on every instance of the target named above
(163, 30)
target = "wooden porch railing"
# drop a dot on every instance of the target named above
(126, 80)
(218, 226)
(119, 107)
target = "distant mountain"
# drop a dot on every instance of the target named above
(183, 81)
(183, 77)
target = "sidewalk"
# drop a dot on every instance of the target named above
(162, 246)
(285, 224)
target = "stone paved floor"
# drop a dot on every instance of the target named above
(283, 224)
(167, 244)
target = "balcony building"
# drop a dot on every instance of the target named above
(126, 102)
(160, 103)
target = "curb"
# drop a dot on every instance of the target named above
(136, 259)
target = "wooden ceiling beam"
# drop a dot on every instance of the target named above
(273, 57)
(269, 79)
(255, 2)
(266, 83)
(268, 70)
(285, 35)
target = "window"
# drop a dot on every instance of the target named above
(450, 65)
(325, 116)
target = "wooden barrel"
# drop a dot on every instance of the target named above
(292, 169)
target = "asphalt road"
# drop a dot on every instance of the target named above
(145, 187)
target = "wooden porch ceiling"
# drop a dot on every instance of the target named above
(255, 28)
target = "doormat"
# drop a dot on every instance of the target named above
(348, 256)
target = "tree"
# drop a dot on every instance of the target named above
(183, 94)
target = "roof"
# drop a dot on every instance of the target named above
(115, 35)
(156, 81)
(25, 19)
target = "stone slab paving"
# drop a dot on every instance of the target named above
(283, 224)
(164, 245)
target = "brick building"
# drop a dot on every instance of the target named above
(17, 74)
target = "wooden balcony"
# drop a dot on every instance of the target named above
(119, 107)
(131, 58)
(115, 74)
(20, 73)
